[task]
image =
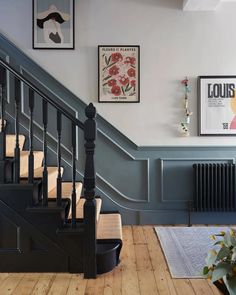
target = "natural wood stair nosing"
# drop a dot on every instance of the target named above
(109, 226)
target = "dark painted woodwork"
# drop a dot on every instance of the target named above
(17, 147)
(73, 195)
(3, 130)
(108, 253)
(90, 243)
(36, 238)
(31, 137)
(58, 106)
(59, 178)
(45, 168)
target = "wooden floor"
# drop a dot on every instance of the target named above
(142, 270)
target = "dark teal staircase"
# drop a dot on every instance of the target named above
(43, 227)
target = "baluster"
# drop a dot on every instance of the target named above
(17, 146)
(2, 127)
(59, 158)
(45, 169)
(89, 192)
(73, 195)
(31, 136)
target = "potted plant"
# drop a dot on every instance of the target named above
(221, 262)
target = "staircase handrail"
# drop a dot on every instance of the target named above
(46, 97)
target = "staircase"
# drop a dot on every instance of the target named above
(46, 223)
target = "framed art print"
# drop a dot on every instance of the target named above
(53, 24)
(217, 105)
(118, 73)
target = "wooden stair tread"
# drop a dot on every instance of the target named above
(66, 190)
(38, 172)
(24, 160)
(24, 153)
(11, 143)
(109, 226)
(52, 175)
(80, 208)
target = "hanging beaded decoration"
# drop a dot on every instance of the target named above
(185, 124)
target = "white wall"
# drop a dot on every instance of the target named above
(173, 44)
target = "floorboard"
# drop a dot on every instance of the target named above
(142, 271)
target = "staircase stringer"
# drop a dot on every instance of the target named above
(69, 247)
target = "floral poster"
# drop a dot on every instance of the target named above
(217, 97)
(118, 73)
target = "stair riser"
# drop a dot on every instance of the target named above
(11, 143)
(24, 162)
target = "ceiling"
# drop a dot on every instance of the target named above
(202, 5)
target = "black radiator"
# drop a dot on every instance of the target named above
(214, 187)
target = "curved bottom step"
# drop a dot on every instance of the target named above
(108, 253)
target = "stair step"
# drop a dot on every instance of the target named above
(109, 227)
(24, 160)
(52, 176)
(66, 192)
(11, 143)
(80, 208)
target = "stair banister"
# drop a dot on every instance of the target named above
(73, 195)
(42, 94)
(2, 131)
(90, 245)
(45, 154)
(17, 147)
(31, 138)
(59, 178)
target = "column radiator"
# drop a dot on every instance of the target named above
(214, 187)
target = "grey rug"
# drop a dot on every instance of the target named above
(186, 248)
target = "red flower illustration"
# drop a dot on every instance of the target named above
(114, 71)
(133, 83)
(123, 80)
(116, 56)
(130, 60)
(111, 82)
(131, 72)
(116, 90)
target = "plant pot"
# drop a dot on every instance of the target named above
(221, 286)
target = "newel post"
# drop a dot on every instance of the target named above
(90, 244)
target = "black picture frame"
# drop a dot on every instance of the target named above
(217, 105)
(60, 31)
(125, 77)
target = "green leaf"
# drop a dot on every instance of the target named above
(127, 86)
(217, 243)
(106, 78)
(122, 88)
(109, 59)
(211, 258)
(106, 61)
(227, 239)
(223, 253)
(220, 271)
(205, 270)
